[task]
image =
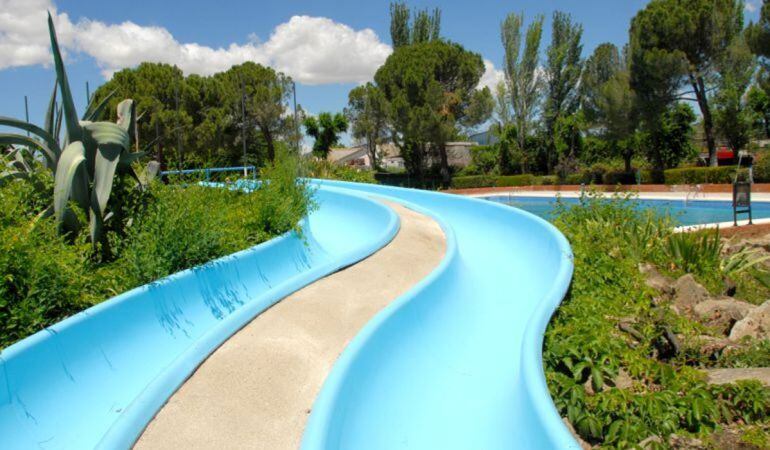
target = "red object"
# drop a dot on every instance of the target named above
(725, 153)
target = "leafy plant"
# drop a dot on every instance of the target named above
(86, 164)
(696, 253)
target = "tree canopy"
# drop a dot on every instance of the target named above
(325, 129)
(431, 88)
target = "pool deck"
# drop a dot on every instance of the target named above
(652, 195)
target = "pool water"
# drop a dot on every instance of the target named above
(694, 212)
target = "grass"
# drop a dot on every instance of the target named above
(170, 228)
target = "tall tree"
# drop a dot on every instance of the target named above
(614, 102)
(521, 71)
(758, 34)
(732, 115)
(758, 99)
(599, 68)
(266, 96)
(687, 38)
(563, 69)
(669, 140)
(425, 27)
(326, 130)
(367, 113)
(432, 91)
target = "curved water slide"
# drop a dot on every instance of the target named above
(97, 378)
(454, 364)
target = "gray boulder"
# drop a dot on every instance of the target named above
(726, 376)
(756, 324)
(656, 280)
(721, 313)
(688, 293)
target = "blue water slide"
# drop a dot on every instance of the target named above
(97, 378)
(456, 362)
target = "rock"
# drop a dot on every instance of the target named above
(722, 313)
(623, 380)
(688, 293)
(656, 280)
(583, 444)
(726, 376)
(650, 442)
(709, 345)
(756, 324)
(685, 443)
(729, 287)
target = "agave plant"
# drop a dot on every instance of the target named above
(84, 165)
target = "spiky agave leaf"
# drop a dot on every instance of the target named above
(70, 181)
(95, 110)
(18, 139)
(74, 131)
(50, 115)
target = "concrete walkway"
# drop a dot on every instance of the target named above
(257, 389)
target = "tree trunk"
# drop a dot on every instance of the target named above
(446, 177)
(766, 121)
(270, 144)
(708, 123)
(627, 155)
(372, 146)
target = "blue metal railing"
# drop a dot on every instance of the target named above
(210, 170)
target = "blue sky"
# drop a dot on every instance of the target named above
(329, 46)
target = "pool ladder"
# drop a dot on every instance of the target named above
(693, 192)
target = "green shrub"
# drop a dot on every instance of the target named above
(515, 180)
(547, 180)
(762, 167)
(701, 175)
(324, 169)
(47, 277)
(473, 181)
(585, 350)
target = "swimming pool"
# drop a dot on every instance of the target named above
(693, 212)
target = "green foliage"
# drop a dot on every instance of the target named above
(584, 349)
(677, 44)
(432, 91)
(425, 28)
(484, 160)
(761, 167)
(697, 253)
(85, 167)
(330, 171)
(732, 115)
(367, 113)
(701, 175)
(46, 278)
(669, 139)
(325, 130)
(477, 181)
(563, 69)
(522, 83)
(197, 121)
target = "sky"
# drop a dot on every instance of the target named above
(328, 47)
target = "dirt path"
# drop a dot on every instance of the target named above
(257, 389)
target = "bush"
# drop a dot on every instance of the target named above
(47, 277)
(473, 181)
(762, 167)
(325, 169)
(479, 181)
(701, 175)
(585, 350)
(515, 180)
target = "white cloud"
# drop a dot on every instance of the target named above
(491, 76)
(313, 50)
(751, 6)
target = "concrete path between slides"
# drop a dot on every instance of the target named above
(257, 389)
